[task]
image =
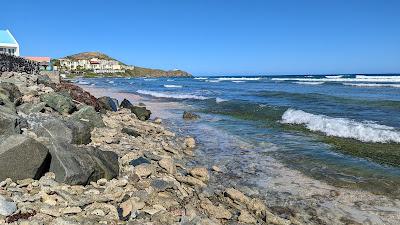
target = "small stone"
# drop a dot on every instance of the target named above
(190, 180)
(190, 116)
(102, 182)
(98, 212)
(71, 210)
(219, 212)
(161, 185)
(246, 217)
(157, 121)
(152, 156)
(168, 164)
(200, 173)
(49, 199)
(7, 207)
(236, 195)
(130, 132)
(144, 170)
(51, 211)
(25, 182)
(139, 161)
(190, 142)
(216, 169)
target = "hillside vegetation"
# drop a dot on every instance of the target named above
(134, 71)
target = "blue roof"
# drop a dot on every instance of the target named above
(6, 37)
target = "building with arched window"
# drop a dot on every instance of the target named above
(8, 44)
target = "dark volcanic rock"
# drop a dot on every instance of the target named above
(141, 112)
(12, 91)
(22, 157)
(89, 116)
(126, 104)
(80, 132)
(190, 116)
(138, 161)
(9, 123)
(130, 132)
(78, 94)
(49, 127)
(79, 165)
(107, 104)
(58, 102)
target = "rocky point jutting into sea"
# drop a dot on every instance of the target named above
(67, 157)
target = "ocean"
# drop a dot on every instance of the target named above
(343, 130)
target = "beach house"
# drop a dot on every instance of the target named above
(8, 44)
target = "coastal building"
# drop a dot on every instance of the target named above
(94, 64)
(44, 62)
(8, 44)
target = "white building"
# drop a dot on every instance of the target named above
(94, 64)
(8, 44)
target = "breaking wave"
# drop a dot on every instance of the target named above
(238, 78)
(172, 86)
(342, 127)
(309, 83)
(358, 78)
(170, 95)
(372, 85)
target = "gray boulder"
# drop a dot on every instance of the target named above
(22, 157)
(29, 108)
(107, 104)
(11, 90)
(80, 165)
(69, 131)
(88, 116)
(60, 103)
(141, 112)
(81, 132)
(9, 123)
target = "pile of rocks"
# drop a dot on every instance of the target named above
(14, 63)
(66, 161)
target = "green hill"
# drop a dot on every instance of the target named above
(130, 71)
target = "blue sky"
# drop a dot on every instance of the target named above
(216, 37)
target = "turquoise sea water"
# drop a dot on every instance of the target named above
(344, 130)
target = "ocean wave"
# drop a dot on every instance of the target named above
(238, 78)
(358, 78)
(372, 85)
(149, 79)
(83, 83)
(171, 95)
(219, 100)
(342, 127)
(169, 80)
(238, 81)
(172, 86)
(111, 82)
(309, 83)
(200, 78)
(213, 81)
(334, 76)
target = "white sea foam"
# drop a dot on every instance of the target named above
(150, 79)
(238, 78)
(171, 95)
(341, 127)
(358, 78)
(111, 82)
(309, 83)
(83, 82)
(218, 100)
(334, 76)
(372, 85)
(200, 78)
(213, 81)
(169, 80)
(172, 86)
(238, 81)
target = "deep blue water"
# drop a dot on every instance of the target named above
(344, 129)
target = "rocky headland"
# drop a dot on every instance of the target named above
(67, 157)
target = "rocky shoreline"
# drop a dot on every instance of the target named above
(68, 157)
